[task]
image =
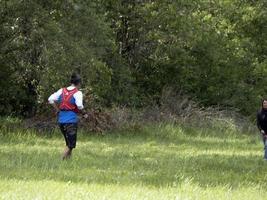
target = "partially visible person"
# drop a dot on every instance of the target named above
(68, 102)
(262, 124)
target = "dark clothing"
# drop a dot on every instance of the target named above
(262, 125)
(69, 131)
(262, 120)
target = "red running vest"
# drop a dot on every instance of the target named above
(66, 98)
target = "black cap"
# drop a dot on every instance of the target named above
(75, 79)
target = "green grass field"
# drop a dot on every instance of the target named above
(155, 162)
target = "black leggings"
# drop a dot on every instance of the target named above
(69, 131)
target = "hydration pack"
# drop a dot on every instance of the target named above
(65, 104)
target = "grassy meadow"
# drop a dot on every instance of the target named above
(154, 162)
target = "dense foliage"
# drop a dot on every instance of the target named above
(128, 51)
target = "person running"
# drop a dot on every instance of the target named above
(262, 124)
(68, 102)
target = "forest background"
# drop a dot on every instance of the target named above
(129, 52)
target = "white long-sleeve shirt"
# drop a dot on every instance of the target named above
(78, 96)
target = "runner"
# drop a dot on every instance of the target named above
(68, 102)
(262, 124)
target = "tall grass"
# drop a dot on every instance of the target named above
(163, 161)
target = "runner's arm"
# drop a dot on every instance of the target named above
(54, 98)
(79, 103)
(259, 124)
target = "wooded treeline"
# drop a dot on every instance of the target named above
(128, 51)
